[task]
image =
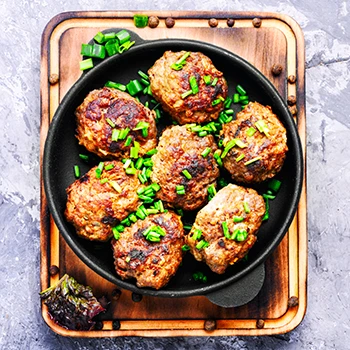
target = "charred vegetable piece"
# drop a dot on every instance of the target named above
(71, 304)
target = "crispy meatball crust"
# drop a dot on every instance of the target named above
(94, 207)
(227, 204)
(168, 85)
(270, 149)
(151, 263)
(95, 133)
(179, 149)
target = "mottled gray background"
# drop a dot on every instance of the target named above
(326, 25)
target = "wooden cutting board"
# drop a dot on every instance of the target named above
(277, 40)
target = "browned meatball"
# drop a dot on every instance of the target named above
(264, 151)
(106, 110)
(151, 263)
(168, 85)
(180, 150)
(95, 206)
(242, 210)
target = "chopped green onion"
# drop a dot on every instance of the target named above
(194, 85)
(227, 104)
(228, 147)
(148, 162)
(222, 182)
(185, 248)
(145, 82)
(211, 191)
(252, 160)
(134, 87)
(217, 157)
(152, 211)
(140, 21)
(216, 102)
(186, 94)
(267, 209)
(207, 79)
(138, 164)
(128, 141)
(126, 46)
(114, 85)
(116, 233)
(109, 166)
(139, 213)
(115, 134)
(151, 152)
(238, 219)
(146, 199)
(206, 152)
(240, 157)
(268, 196)
(241, 235)
(99, 170)
(84, 157)
(123, 133)
(197, 234)
(243, 98)
(202, 133)
(127, 163)
(119, 228)
(132, 217)
(246, 207)
(98, 51)
(202, 244)
(143, 75)
(274, 185)
(109, 36)
(126, 222)
(115, 186)
(187, 227)
(262, 127)
(86, 50)
(235, 98)
(142, 178)
(180, 187)
(127, 259)
(244, 103)
(229, 111)
(99, 37)
(251, 131)
(76, 171)
(112, 47)
(122, 36)
(240, 90)
(130, 171)
(134, 151)
(178, 65)
(110, 122)
(215, 80)
(86, 64)
(225, 230)
(240, 143)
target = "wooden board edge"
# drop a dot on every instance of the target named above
(44, 263)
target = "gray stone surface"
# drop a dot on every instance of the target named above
(326, 25)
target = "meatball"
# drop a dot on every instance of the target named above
(179, 152)
(151, 263)
(260, 144)
(225, 229)
(104, 114)
(95, 205)
(168, 86)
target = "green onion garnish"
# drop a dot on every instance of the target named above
(109, 166)
(216, 102)
(187, 174)
(197, 234)
(123, 134)
(126, 222)
(274, 185)
(246, 207)
(115, 186)
(187, 227)
(186, 94)
(116, 233)
(194, 85)
(76, 171)
(202, 244)
(134, 87)
(126, 46)
(229, 111)
(99, 170)
(138, 164)
(98, 51)
(211, 191)
(178, 65)
(241, 235)
(134, 151)
(217, 157)
(151, 152)
(207, 79)
(127, 259)
(86, 50)
(252, 160)
(112, 47)
(268, 196)
(215, 80)
(251, 131)
(140, 21)
(240, 143)
(123, 36)
(225, 230)
(84, 157)
(132, 217)
(240, 90)
(262, 127)
(185, 248)
(143, 75)
(235, 98)
(203, 133)
(238, 219)
(86, 64)
(110, 122)
(228, 147)
(99, 37)
(128, 141)
(141, 125)
(240, 157)
(130, 171)
(267, 209)
(114, 85)
(206, 152)
(115, 134)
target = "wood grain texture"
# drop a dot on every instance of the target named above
(278, 40)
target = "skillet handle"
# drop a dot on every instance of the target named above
(240, 292)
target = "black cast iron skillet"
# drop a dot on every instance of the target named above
(62, 149)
